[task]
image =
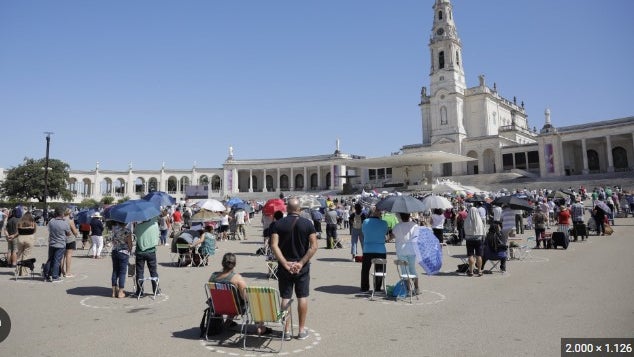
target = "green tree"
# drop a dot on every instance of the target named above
(26, 181)
(107, 200)
(89, 203)
(121, 200)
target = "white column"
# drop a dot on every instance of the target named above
(584, 153)
(278, 189)
(291, 181)
(306, 179)
(264, 189)
(608, 143)
(332, 177)
(318, 177)
(250, 180)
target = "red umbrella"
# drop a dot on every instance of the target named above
(272, 205)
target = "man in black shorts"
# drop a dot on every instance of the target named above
(294, 242)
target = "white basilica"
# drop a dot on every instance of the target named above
(479, 123)
(465, 131)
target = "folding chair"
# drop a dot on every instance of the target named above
(25, 264)
(225, 302)
(404, 274)
(495, 258)
(463, 257)
(154, 280)
(526, 249)
(379, 270)
(206, 250)
(264, 306)
(271, 262)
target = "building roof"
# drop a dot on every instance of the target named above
(409, 159)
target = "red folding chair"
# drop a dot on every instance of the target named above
(225, 302)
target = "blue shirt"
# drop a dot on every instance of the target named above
(374, 230)
(96, 227)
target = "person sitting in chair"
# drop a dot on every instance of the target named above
(228, 276)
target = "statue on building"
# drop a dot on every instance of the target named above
(495, 87)
(230, 151)
(481, 79)
(130, 165)
(163, 166)
(423, 92)
(97, 166)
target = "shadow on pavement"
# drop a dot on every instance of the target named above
(333, 260)
(338, 289)
(90, 290)
(192, 333)
(255, 275)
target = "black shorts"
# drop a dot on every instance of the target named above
(288, 283)
(71, 246)
(474, 247)
(223, 229)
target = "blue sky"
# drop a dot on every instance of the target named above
(179, 81)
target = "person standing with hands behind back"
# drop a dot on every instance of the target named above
(294, 242)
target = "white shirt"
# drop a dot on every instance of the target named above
(240, 216)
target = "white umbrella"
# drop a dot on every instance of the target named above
(433, 201)
(211, 205)
(309, 202)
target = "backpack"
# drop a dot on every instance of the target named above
(215, 325)
(400, 289)
(357, 221)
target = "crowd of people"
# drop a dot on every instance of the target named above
(292, 237)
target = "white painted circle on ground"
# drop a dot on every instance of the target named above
(289, 347)
(426, 297)
(106, 302)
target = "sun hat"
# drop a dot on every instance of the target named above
(96, 215)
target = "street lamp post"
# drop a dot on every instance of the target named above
(48, 144)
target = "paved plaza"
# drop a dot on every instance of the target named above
(584, 291)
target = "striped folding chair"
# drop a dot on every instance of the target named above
(225, 303)
(264, 307)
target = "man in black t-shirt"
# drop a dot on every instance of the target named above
(294, 242)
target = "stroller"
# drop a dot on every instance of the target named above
(592, 225)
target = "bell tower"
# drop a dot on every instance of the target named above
(443, 109)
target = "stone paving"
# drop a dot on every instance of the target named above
(584, 291)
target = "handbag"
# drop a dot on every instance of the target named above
(400, 289)
(607, 229)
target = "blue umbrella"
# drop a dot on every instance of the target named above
(234, 200)
(134, 211)
(160, 198)
(428, 251)
(243, 206)
(83, 216)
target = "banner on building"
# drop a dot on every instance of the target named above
(549, 158)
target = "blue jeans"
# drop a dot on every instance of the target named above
(141, 258)
(163, 236)
(356, 236)
(119, 268)
(55, 256)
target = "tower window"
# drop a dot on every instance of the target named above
(443, 115)
(441, 60)
(439, 15)
(457, 58)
